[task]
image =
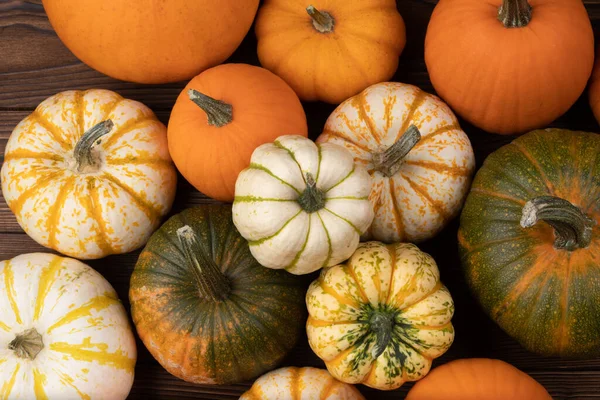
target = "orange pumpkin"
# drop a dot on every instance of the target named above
(151, 41)
(509, 66)
(222, 116)
(330, 50)
(594, 90)
(478, 379)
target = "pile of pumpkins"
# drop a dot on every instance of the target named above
(215, 294)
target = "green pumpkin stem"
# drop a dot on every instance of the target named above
(84, 158)
(514, 13)
(322, 20)
(212, 284)
(218, 112)
(572, 228)
(382, 324)
(27, 344)
(388, 162)
(313, 198)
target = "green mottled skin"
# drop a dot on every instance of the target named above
(548, 299)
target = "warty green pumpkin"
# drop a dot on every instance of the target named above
(205, 308)
(529, 241)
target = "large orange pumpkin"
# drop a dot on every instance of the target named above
(509, 66)
(151, 41)
(478, 379)
(222, 116)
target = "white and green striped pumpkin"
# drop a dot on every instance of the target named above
(64, 334)
(302, 206)
(381, 318)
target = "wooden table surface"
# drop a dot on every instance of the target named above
(34, 65)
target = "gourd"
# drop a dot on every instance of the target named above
(420, 160)
(300, 383)
(477, 379)
(594, 89)
(529, 241)
(509, 66)
(330, 50)
(205, 309)
(151, 42)
(64, 334)
(302, 206)
(221, 116)
(380, 318)
(88, 173)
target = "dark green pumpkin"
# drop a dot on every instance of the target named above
(203, 306)
(529, 241)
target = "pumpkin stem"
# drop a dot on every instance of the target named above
(211, 282)
(313, 198)
(572, 228)
(514, 13)
(322, 20)
(218, 112)
(27, 344)
(84, 159)
(382, 324)
(388, 162)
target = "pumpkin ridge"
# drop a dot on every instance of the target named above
(268, 171)
(92, 205)
(82, 352)
(251, 199)
(342, 180)
(291, 50)
(361, 110)
(396, 210)
(422, 192)
(453, 171)
(299, 253)
(38, 385)
(497, 195)
(159, 272)
(503, 173)
(328, 388)
(330, 248)
(317, 322)
(42, 183)
(444, 129)
(350, 272)
(319, 160)
(345, 138)
(97, 303)
(19, 153)
(226, 327)
(295, 388)
(391, 249)
(129, 126)
(417, 102)
(276, 143)
(262, 240)
(147, 208)
(535, 164)
(68, 381)
(563, 338)
(47, 278)
(5, 328)
(347, 301)
(109, 108)
(51, 128)
(155, 162)
(9, 285)
(375, 42)
(79, 110)
(503, 267)
(9, 384)
(484, 245)
(55, 211)
(357, 66)
(400, 336)
(344, 219)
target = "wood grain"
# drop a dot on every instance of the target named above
(35, 65)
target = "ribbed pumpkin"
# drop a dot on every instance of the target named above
(594, 88)
(64, 334)
(420, 160)
(221, 116)
(203, 306)
(293, 383)
(151, 41)
(88, 173)
(381, 318)
(529, 241)
(330, 50)
(478, 379)
(509, 66)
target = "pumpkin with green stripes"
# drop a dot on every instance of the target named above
(382, 317)
(64, 334)
(88, 173)
(203, 306)
(302, 206)
(530, 241)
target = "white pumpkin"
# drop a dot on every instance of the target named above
(291, 383)
(88, 173)
(64, 334)
(420, 176)
(302, 206)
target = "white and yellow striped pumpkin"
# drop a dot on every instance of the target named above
(64, 334)
(291, 383)
(302, 206)
(381, 318)
(88, 173)
(420, 176)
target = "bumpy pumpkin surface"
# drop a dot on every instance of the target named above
(330, 50)
(529, 241)
(381, 318)
(302, 206)
(64, 334)
(420, 176)
(88, 173)
(293, 383)
(203, 306)
(477, 379)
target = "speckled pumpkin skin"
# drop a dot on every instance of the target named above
(201, 341)
(547, 299)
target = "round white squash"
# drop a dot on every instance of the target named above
(302, 206)
(88, 173)
(64, 334)
(420, 176)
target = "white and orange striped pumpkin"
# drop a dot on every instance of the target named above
(88, 173)
(64, 334)
(291, 383)
(420, 176)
